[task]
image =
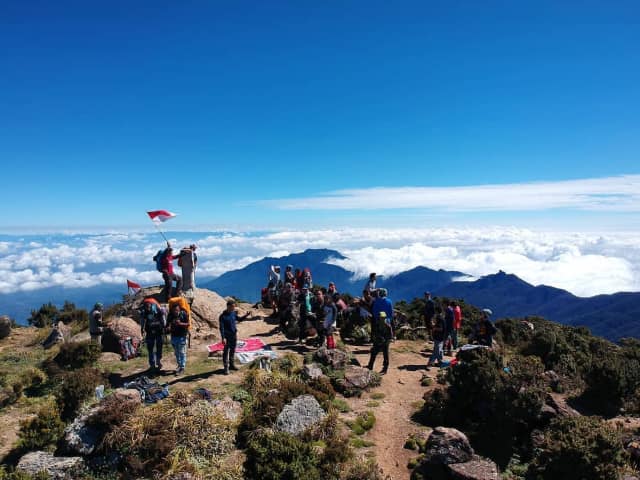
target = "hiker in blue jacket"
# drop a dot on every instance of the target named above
(229, 333)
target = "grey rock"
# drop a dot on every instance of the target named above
(477, 468)
(447, 446)
(559, 404)
(303, 412)
(5, 326)
(80, 437)
(59, 333)
(229, 408)
(56, 467)
(312, 371)
(336, 359)
(357, 378)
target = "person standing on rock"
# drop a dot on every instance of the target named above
(95, 324)
(178, 324)
(228, 321)
(169, 275)
(152, 326)
(381, 335)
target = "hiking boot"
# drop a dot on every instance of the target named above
(226, 371)
(233, 367)
(383, 371)
(159, 366)
(179, 371)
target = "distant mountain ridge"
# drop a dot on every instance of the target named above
(611, 316)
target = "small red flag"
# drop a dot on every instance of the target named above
(160, 215)
(133, 285)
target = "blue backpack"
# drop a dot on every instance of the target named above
(158, 258)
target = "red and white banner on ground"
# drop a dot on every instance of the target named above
(160, 216)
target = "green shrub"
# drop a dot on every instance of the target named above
(575, 448)
(45, 316)
(363, 469)
(275, 455)
(43, 431)
(363, 422)
(74, 355)
(341, 405)
(74, 388)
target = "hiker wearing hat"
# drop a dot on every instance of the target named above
(95, 324)
(381, 335)
(228, 321)
(332, 289)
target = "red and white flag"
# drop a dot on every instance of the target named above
(159, 216)
(133, 285)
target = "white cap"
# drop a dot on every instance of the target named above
(487, 311)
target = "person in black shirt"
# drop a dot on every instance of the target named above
(229, 332)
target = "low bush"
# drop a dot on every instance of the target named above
(273, 455)
(74, 388)
(42, 431)
(575, 448)
(74, 355)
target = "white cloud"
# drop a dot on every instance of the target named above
(619, 194)
(585, 264)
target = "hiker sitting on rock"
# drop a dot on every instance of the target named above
(229, 332)
(152, 326)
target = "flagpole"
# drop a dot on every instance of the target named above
(160, 232)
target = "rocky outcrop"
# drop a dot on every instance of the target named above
(356, 380)
(5, 326)
(559, 404)
(303, 412)
(56, 467)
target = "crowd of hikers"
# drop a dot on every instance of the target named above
(304, 311)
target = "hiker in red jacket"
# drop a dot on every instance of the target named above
(457, 324)
(169, 275)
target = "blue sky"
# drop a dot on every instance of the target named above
(225, 111)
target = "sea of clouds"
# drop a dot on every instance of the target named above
(584, 264)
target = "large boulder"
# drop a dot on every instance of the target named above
(117, 328)
(5, 326)
(356, 379)
(206, 307)
(477, 468)
(56, 467)
(303, 412)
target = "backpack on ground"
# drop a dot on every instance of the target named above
(159, 259)
(129, 348)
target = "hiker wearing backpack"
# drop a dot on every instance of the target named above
(382, 304)
(229, 333)
(330, 319)
(152, 326)
(457, 324)
(188, 261)
(318, 315)
(381, 335)
(305, 317)
(274, 287)
(178, 324)
(289, 277)
(164, 264)
(95, 324)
